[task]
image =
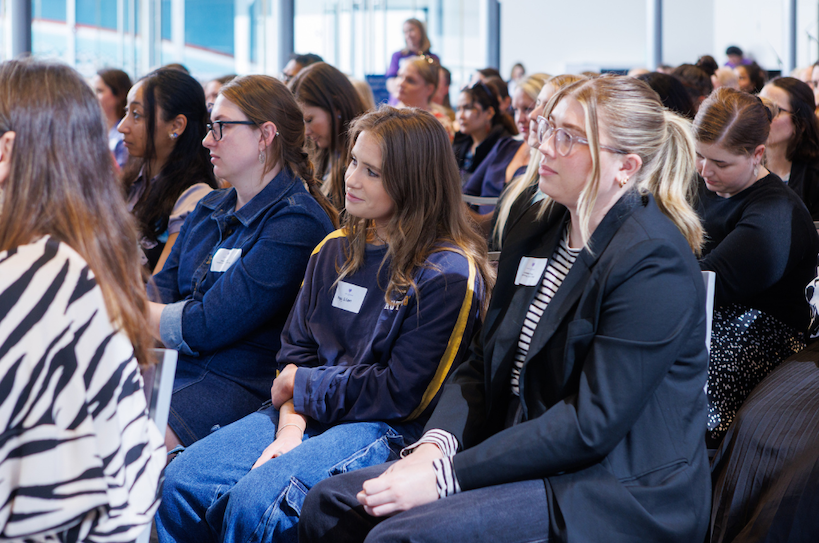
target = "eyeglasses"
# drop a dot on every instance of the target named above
(563, 139)
(216, 127)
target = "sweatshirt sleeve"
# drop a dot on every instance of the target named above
(432, 338)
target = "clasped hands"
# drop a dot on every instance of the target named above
(408, 483)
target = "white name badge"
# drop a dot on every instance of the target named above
(224, 259)
(349, 297)
(530, 270)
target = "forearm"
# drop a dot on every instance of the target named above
(288, 418)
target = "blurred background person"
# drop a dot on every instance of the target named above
(212, 88)
(417, 44)
(111, 87)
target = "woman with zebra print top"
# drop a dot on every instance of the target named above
(79, 458)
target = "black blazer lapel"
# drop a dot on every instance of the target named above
(573, 285)
(529, 237)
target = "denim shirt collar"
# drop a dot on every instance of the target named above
(275, 191)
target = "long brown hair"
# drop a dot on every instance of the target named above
(62, 184)
(323, 86)
(421, 177)
(266, 99)
(425, 45)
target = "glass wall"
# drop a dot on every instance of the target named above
(216, 37)
(360, 36)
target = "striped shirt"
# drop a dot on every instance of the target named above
(556, 271)
(79, 458)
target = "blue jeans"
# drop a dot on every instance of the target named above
(211, 494)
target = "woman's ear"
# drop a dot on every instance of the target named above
(630, 165)
(759, 152)
(180, 123)
(269, 133)
(6, 147)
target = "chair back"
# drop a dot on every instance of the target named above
(158, 380)
(710, 279)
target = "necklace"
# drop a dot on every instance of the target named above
(374, 230)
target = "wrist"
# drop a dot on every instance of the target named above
(290, 429)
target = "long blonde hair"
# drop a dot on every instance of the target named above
(522, 183)
(421, 177)
(637, 123)
(61, 184)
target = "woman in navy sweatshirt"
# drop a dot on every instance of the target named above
(388, 308)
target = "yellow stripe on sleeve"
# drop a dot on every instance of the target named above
(340, 233)
(453, 346)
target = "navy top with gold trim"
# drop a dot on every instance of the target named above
(362, 358)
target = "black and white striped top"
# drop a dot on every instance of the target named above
(556, 271)
(79, 458)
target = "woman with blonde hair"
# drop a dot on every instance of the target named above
(387, 309)
(582, 398)
(522, 191)
(329, 102)
(223, 297)
(416, 84)
(79, 458)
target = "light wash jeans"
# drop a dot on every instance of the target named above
(211, 494)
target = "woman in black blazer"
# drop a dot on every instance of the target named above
(579, 415)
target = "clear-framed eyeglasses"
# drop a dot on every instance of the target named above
(563, 139)
(215, 127)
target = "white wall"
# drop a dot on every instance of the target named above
(556, 36)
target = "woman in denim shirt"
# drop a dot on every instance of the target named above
(388, 307)
(230, 280)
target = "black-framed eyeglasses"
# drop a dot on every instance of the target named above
(216, 127)
(563, 139)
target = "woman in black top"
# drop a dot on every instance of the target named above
(792, 149)
(481, 125)
(762, 245)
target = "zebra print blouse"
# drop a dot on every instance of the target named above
(79, 458)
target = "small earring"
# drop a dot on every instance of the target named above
(624, 182)
(261, 157)
(174, 135)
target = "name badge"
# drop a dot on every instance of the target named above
(224, 259)
(530, 270)
(349, 297)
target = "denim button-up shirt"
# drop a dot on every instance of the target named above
(232, 277)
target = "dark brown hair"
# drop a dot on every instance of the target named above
(421, 177)
(266, 99)
(119, 83)
(61, 184)
(736, 120)
(323, 86)
(171, 92)
(804, 143)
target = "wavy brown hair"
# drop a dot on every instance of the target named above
(421, 177)
(62, 184)
(323, 86)
(266, 99)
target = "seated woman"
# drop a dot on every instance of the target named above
(761, 244)
(329, 103)
(163, 128)
(481, 125)
(231, 279)
(79, 458)
(522, 191)
(792, 148)
(111, 87)
(578, 415)
(510, 155)
(387, 309)
(416, 84)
